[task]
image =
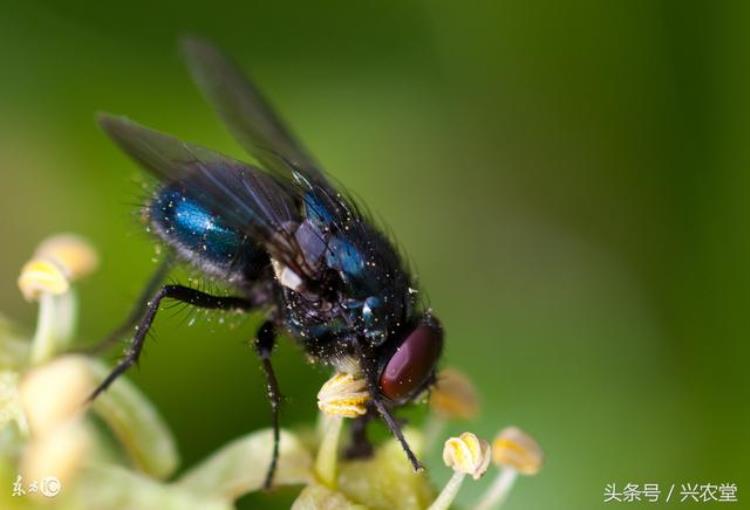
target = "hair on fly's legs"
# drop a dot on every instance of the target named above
(178, 292)
(138, 310)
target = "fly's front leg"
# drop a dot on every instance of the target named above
(180, 293)
(395, 428)
(265, 340)
(382, 406)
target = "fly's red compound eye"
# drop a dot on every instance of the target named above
(413, 362)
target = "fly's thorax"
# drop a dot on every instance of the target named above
(348, 280)
(374, 287)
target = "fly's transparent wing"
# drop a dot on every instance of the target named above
(261, 132)
(249, 199)
(250, 118)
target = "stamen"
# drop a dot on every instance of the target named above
(326, 463)
(454, 396)
(514, 452)
(42, 276)
(514, 448)
(72, 253)
(46, 278)
(467, 455)
(342, 396)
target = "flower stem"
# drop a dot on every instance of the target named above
(499, 490)
(448, 494)
(325, 463)
(433, 430)
(54, 327)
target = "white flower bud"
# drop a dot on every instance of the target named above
(55, 393)
(58, 454)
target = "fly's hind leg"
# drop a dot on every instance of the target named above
(180, 293)
(265, 340)
(139, 309)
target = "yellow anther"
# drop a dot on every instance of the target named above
(454, 396)
(72, 253)
(516, 449)
(42, 276)
(467, 454)
(344, 395)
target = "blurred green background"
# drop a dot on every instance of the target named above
(571, 180)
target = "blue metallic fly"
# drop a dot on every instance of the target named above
(290, 245)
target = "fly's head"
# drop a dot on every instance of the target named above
(406, 363)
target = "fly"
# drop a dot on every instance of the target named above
(291, 245)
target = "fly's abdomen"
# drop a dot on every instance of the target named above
(201, 236)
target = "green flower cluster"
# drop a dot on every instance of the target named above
(58, 451)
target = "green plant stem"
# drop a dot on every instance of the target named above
(448, 494)
(499, 490)
(55, 324)
(433, 429)
(325, 463)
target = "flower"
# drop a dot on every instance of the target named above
(43, 419)
(514, 452)
(57, 262)
(46, 428)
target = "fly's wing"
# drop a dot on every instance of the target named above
(247, 198)
(254, 124)
(261, 132)
(250, 118)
